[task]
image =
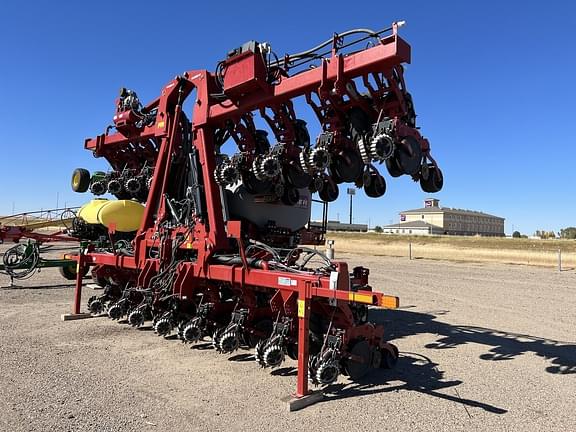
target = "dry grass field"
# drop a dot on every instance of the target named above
(467, 249)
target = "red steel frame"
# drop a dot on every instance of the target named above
(214, 234)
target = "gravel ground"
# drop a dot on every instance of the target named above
(483, 347)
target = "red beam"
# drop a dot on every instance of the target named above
(378, 58)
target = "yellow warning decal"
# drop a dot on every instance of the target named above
(161, 125)
(301, 308)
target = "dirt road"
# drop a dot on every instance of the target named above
(483, 347)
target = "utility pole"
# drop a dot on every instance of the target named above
(57, 198)
(351, 192)
(13, 207)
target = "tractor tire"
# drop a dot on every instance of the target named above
(80, 180)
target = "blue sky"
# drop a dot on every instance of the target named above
(493, 85)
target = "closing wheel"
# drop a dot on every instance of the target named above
(273, 355)
(435, 180)
(347, 167)
(329, 191)
(80, 180)
(374, 184)
(409, 155)
(327, 373)
(361, 364)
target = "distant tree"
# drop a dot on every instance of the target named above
(378, 229)
(568, 233)
(516, 234)
(545, 234)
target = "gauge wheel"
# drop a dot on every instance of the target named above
(374, 185)
(329, 191)
(434, 182)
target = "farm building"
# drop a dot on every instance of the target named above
(433, 219)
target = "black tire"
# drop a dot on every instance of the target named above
(434, 182)
(329, 191)
(347, 167)
(354, 369)
(374, 185)
(68, 271)
(409, 155)
(80, 181)
(393, 168)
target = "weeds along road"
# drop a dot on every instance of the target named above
(483, 347)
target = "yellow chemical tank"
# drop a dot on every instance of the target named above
(125, 214)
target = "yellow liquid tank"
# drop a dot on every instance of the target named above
(125, 214)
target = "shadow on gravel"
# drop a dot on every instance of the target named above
(415, 373)
(202, 346)
(38, 287)
(502, 345)
(285, 371)
(241, 358)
